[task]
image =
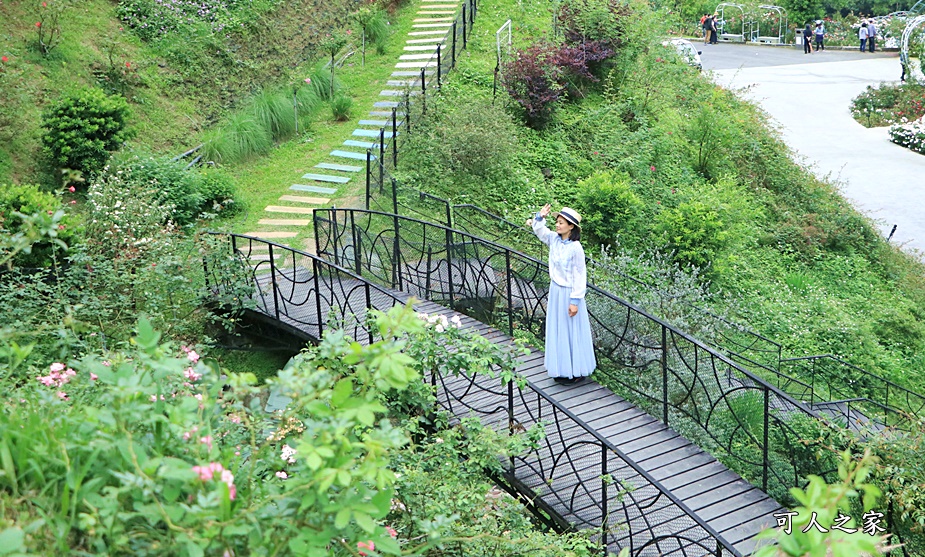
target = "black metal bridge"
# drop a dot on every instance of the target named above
(605, 463)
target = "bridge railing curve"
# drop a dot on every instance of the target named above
(608, 491)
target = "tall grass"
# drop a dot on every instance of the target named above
(241, 138)
(273, 110)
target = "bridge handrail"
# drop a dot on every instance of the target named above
(721, 543)
(629, 338)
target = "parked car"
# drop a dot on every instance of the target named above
(687, 51)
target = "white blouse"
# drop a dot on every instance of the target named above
(566, 260)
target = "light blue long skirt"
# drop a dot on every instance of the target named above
(569, 348)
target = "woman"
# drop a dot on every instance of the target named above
(807, 40)
(820, 35)
(862, 34)
(569, 351)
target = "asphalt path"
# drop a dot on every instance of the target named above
(808, 98)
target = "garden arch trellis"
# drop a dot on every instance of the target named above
(725, 34)
(913, 70)
(755, 32)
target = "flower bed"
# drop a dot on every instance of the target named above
(911, 135)
(887, 105)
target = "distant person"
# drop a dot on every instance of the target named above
(871, 35)
(862, 34)
(820, 35)
(707, 28)
(714, 29)
(807, 40)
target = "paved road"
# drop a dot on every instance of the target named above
(808, 95)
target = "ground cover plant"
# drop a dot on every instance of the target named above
(889, 104)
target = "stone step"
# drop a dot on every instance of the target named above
(441, 6)
(349, 155)
(270, 234)
(415, 83)
(261, 248)
(284, 222)
(417, 56)
(420, 64)
(426, 33)
(431, 19)
(425, 48)
(303, 199)
(436, 12)
(394, 93)
(377, 123)
(291, 210)
(326, 178)
(386, 104)
(313, 189)
(429, 25)
(383, 113)
(411, 74)
(371, 133)
(342, 167)
(361, 144)
(432, 40)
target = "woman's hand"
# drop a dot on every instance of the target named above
(572, 310)
(545, 210)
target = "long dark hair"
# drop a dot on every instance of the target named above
(575, 234)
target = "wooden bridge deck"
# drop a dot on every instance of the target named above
(565, 469)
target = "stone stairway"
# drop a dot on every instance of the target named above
(328, 179)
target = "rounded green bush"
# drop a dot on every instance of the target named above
(607, 204)
(29, 199)
(83, 127)
(694, 231)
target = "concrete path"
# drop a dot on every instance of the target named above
(809, 96)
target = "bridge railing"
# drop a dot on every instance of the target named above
(689, 385)
(605, 490)
(879, 399)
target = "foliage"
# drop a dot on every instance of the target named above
(826, 504)
(910, 135)
(373, 26)
(241, 138)
(82, 128)
(48, 27)
(166, 179)
(218, 192)
(19, 201)
(534, 82)
(341, 108)
(694, 232)
(153, 20)
(889, 104)
(601, 21)
(607, 204)
(331, 44)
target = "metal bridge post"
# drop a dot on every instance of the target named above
(664, 364)
(604, 509)
(356, 244)
(764, 450)
(369, 305)
(396, 244)
(510, 303)
(423, 92)
(273, 280)
(464, 25)
(369, 155)
(381, 156)
(453, 47)
(510, 417)
(449, 264)
(394, 138)
(315, 271)
(439, 66)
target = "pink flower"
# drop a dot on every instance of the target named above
(38, 24)
(57, 366)
(365, 545)
(93, 376)
(205, 472)
(192, 375)
(72, 189)
(62, 395)
(391, 531)
(307, 79)
(349, 32)
(207, 441)
(4, 59)
(193, 356)
(107, 363)
(44, 4)
(652, 168)
(282, 475)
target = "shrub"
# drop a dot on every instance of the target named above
(693, 231)
(167, 181)
(218, 192)
(534, 81)
(241, 138)
(273, 110)
(82, 128)
(594, 20)
(341, 108)
(607, 204)
(28, 199)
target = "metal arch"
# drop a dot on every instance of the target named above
(917, 21)
(721, 26)
(781, 24)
